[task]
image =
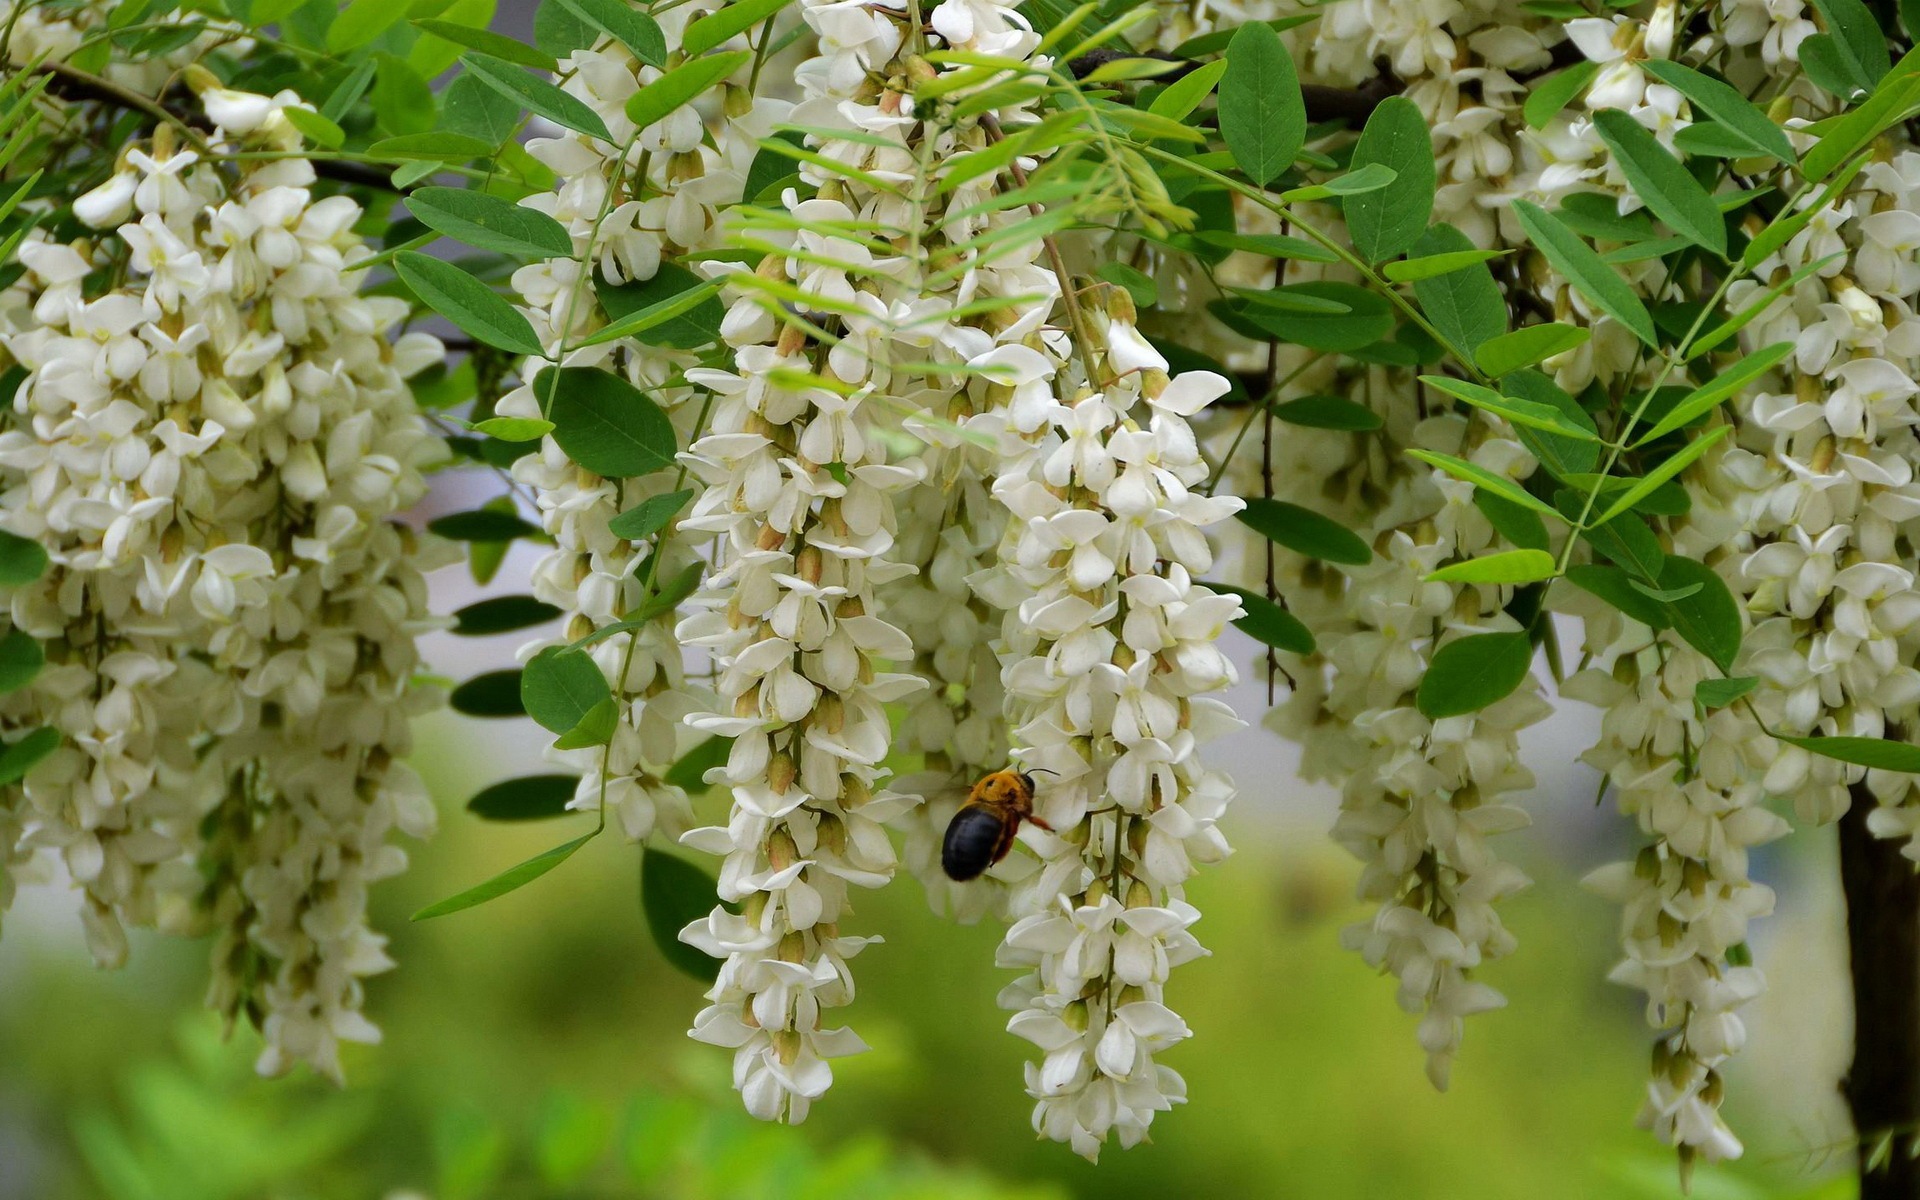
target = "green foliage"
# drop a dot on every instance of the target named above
(1387, 222)
(1262, 117)
(528, 798)
(560, 687)
(1469, 673)
(1304, 531)
(605, 423)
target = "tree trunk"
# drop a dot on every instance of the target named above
(1882, 1088)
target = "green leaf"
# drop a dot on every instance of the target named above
(1469, 673)
(1552, 94)
(1718, 693)
(1826, 62)
(468, 303)
(1507, 566)
(1431, 266)
(689, 774)
(605, 423)
(674, 894)
(361, 22)
(1387, 222)
(482, 525)
(499, 614)
(490, 223)
(1876, 753)
(1665, 471)
(492, 694)
(486, 42)
(596, 727)
(430, 147)
(402, 102)
(1369, 317)
(528, 798)
(1525, 347)
(1521, 526)
(471, 109)
(1891, 103)
(559, 687)
(537, 96)
(680, 85)
(1520, 412)
(21, 658)
(1735, 113)
(1856, 35)
(717, 26)
(676, 309)
(508, 880)
(1362, 181)
(24, 755)
(1184, 95)
(1709, 395)
(22, 561)
(1561, 456)
(1480, 477)
(1708, 619)
(1594, 279)
(631, 28)
(1661, 181)
(1612, 585)
(1304, 531)
(1328, 412)
(1593, 215)
(514, 429)
(649, 517)
(1464, 303)
(1262, 117)
(314, 127)
(1268, 623)
(1626, 541)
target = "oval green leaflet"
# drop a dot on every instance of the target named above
(1262, 116)
(1304, 531)
(1472, 672)
(1508, 566)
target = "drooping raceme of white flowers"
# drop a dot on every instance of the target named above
(800, 491)
(630, 205)
(1108, 657)
(212, 450)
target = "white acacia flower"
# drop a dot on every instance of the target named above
(232, 766)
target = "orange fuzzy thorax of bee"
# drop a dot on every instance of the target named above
(1003, 791)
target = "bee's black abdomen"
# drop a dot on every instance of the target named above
(976, 838)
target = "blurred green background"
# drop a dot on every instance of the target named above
(535, 1046)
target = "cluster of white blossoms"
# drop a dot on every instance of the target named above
(1108, 657)
(1692, 783)
(211, 439)
(1823, 486)
(650, 196)
(800, 491)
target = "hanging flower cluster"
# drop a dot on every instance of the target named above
(210, 445)
(650, 196)
(1107, 661)
(800, 491)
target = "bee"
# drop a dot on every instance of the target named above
(982, 832)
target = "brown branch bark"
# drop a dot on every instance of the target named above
(1882, 1087)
